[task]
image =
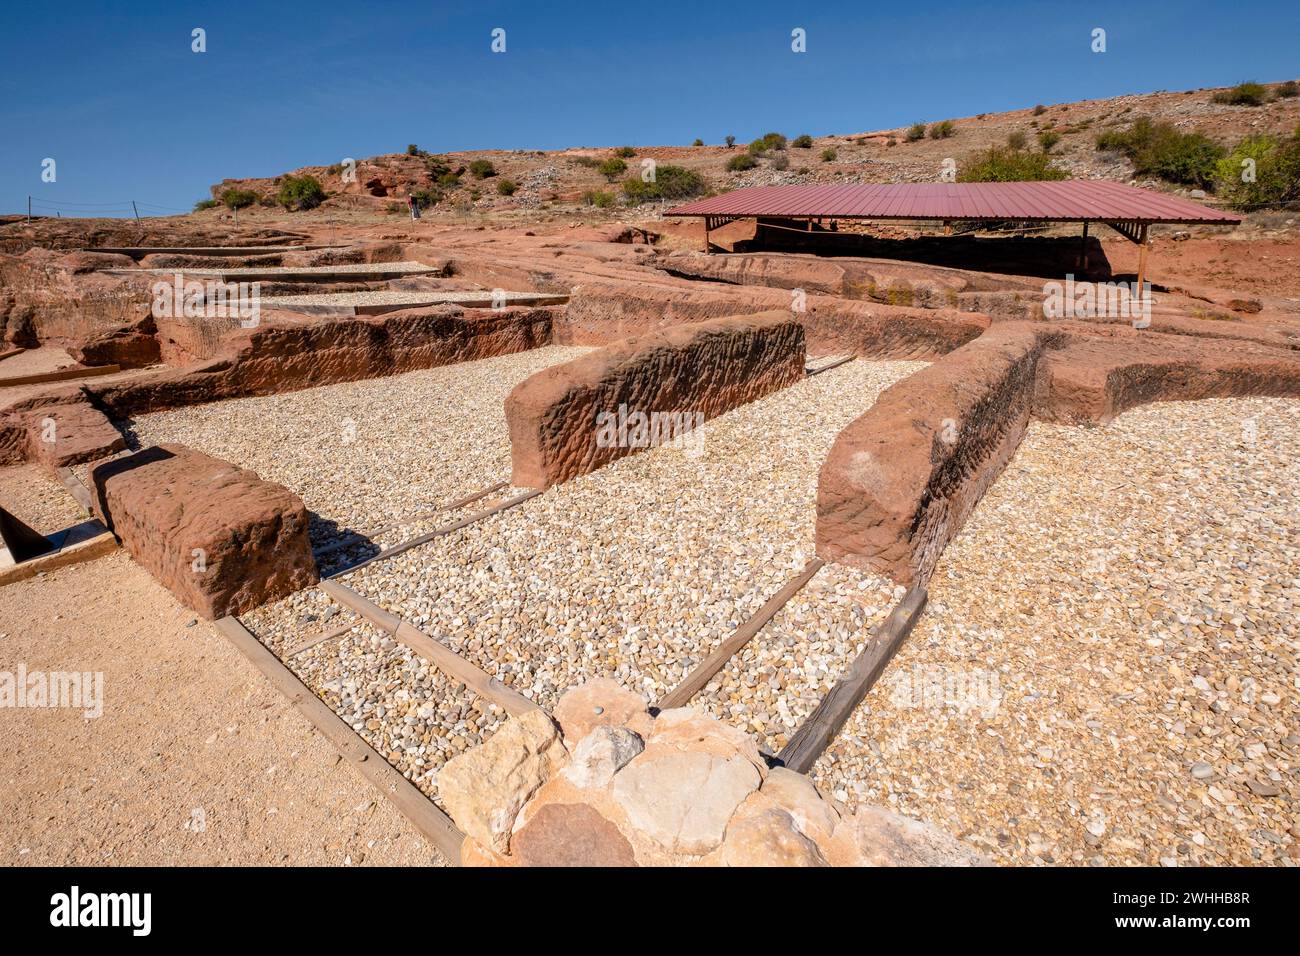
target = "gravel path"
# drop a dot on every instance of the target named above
(637, 571)
(365, 454)
(1107, 671)
(32, 495)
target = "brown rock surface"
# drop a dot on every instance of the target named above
(217, 536)
(600, 703)
(876, 837)
(697, 371)
(571, 834)
(70, 432)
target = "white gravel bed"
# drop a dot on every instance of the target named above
(395, 700)
(366, 454)
(636, 571)
(394, 297)
(1107, 670)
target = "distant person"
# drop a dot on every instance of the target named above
(415, 207)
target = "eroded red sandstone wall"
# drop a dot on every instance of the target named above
(698, 370)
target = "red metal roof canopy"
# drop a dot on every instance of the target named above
(1075, 200)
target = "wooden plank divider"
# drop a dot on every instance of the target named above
(432, 650)
(62, 375)
(680, 695)
(823, 724)
(404, 795)
(450, 506)
(438, 533)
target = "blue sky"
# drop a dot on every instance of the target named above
(113, 93)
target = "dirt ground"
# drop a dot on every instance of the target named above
(196, 758)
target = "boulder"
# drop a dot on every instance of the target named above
(875, 836)
(600, 755)
(761, 834)
(217, 536)
(571, 834)
(485, 788)
(600, 703)
(682, 801)
(797, 795)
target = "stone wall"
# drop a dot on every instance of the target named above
(288, 352)
(217, 536)
(599, 312)
(574, 418)
(59, 298)
(901, 480)
(607, 784)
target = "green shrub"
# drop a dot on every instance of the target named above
(774, 140)
(449, 180)
(1162, 150)
(612, 168)
(412, 150)
(426, 197)
(599, 198)
(482, 169)
(1276, 171)
(1288, 90)
(779, 161)
(1048, 138)
(625, 152)
(1040, 109)
(394, 208)
(740, 162)
(203, 204)
(300, 192)
(671, 182)
(591, 162)
(944, 130)
(757, 148)
(1243, 94)
(731, 141)
(803, 141)
(829, 154)
(507, 187)
(1002, 164)
(698, 142)
(234, 198)
(915, 132)
(1017, 139)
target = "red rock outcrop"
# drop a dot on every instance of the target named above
(217, 536)
(571, 419)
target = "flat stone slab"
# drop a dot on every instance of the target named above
(216, 535)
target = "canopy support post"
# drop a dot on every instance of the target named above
(1143, 246)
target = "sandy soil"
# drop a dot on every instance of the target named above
(196, 759)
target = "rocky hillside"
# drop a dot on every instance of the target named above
(573, 176)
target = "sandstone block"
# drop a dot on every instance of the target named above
(216, 535)
(485, 788)
(650, 390)
(571, 834)
(876, 837)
